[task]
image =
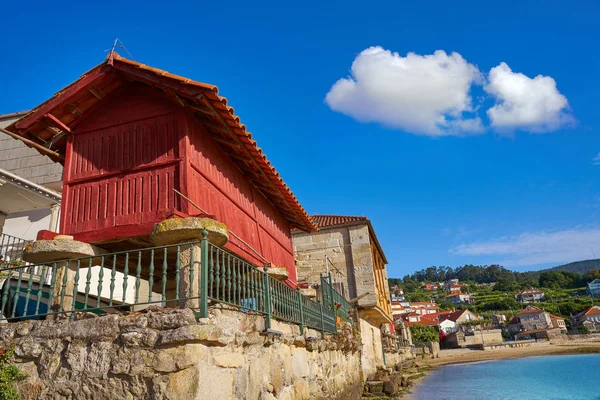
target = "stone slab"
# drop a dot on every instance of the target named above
(177, 230)
(42, 251)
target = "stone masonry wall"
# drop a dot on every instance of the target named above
(168, 354)
(348, 248)
(28, 163)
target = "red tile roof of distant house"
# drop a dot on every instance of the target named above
(457, 294)
(531, 310)
(555, 316)
(592, 311)
(436, 316)
(80, 98)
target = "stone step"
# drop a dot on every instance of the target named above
(374, 387)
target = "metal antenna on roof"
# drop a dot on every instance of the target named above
(122, 46)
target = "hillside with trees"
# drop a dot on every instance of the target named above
(565, 291)
(581, 267)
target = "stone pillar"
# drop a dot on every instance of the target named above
(54, 210)
(62, 247)
(184, 230)
(189, 258)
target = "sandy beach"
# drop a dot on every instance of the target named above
(542, 349)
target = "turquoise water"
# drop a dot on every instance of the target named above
(574, 377)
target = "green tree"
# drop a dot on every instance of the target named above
(423, 333)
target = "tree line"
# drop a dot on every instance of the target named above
(506, 280)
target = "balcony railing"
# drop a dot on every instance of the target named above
(194, 274)
(11, 250)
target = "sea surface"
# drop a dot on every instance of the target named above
(575, 377)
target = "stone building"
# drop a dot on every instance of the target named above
(347, 247)
(30, 186)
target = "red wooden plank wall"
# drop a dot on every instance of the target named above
(220, 188)
(128, 156)
(122, 170)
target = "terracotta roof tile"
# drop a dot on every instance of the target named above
(323, 221)
(592, 311)
(105, 78)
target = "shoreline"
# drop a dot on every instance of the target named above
(467, 356)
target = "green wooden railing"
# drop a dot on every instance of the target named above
(194, 274)
(334, 300)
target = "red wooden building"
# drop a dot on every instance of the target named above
(130, 134)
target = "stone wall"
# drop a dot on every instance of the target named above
(28, 163)
(162, 354)
(348, 248)
(372, 349)
(460, 339)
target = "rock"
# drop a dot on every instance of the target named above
(97, 363)
(144, 337)
(300, 365)
(276, 377)
(390, 387)
(28, 349)
(253, 339)
(228, 360)
(32, 386)
(133, 322)
(42, 251)
(164, 362)
(172, 320)
(220, 384)
(209, 334)
(279, 273)
(22, 329)
(178, 230)
(375, 387)
(299, 341)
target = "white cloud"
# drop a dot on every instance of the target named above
(525, 103)
(430, 95)
(422, 94)
(537, 248)
(596, 160)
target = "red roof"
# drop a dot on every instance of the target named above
(457, 294)
(64, 111)
(531, 310)
(436, 316)
(592, 311)
(323, 221)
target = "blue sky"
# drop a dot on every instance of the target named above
(456, 158)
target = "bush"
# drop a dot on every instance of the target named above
(422, 333)
(8, 375)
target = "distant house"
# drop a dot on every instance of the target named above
(424, 307)
(594, 288)
(450, 282)
(532, 318)
(589, 318)
(535, 323)
(400, 306)
(558, 322)
(440, 320)
(410, 318)
(455, 288)
(498, 319)
(431, 286)
(531, 295)
(458, 298)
